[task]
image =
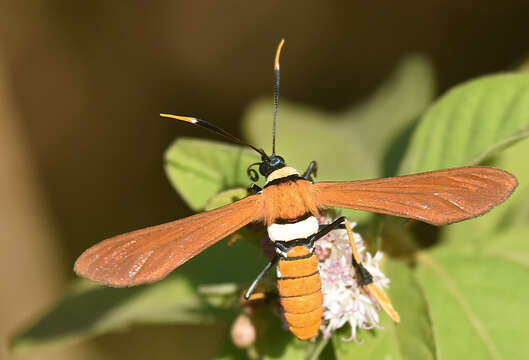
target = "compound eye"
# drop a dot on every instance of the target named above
(276, 161)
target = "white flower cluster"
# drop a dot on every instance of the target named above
(344, 301)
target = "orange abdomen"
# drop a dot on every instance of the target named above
(299, 287)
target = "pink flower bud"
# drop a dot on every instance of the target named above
(243, 332)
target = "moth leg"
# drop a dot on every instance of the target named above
(339, 226)
(256, 296)
(365, 280)
(254, 189)
(311, 169)
(327, 228)
(250, 290)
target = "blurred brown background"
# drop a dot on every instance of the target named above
(82, 84)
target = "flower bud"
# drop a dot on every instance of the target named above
(243, 332)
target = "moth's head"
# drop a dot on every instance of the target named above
(269, 164)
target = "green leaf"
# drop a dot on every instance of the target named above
(200, 169)
(470, 123)
(415, 334)
(375, 344)
(516, 209)
(225, 198)
(412, 339)
(90, 310)
(278, 344)
(478, 299)
(348, 145)
(514, 212)
(511, 245)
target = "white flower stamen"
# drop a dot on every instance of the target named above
(344, 300)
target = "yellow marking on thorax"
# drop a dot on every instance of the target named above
(281, 173)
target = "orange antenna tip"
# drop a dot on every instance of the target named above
(278, 52)
(187, 119)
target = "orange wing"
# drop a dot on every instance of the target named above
(437, 197)
(150, 254)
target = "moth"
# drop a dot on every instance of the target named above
(288, 205)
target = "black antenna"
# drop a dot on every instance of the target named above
(213, 128)
(276, 94)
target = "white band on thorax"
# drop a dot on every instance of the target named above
(299, 230)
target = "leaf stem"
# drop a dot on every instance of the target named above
(318, 349)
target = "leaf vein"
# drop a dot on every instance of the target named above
(451, 286)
